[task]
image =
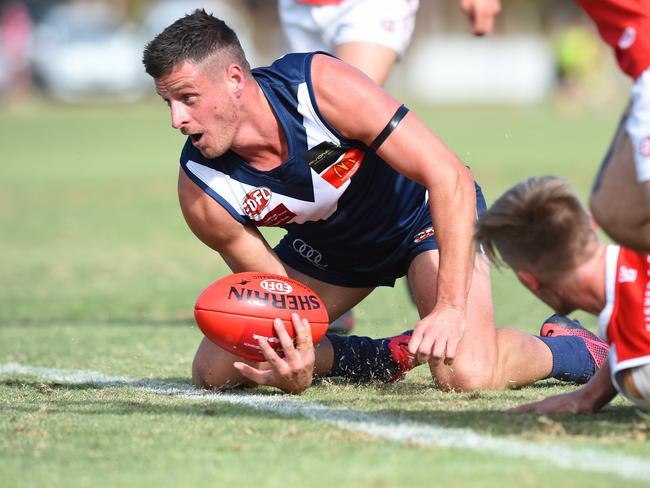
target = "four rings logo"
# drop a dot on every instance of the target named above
(309, 253)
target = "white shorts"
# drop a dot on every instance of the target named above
(638, 126)
(308, 28)
(641, 378)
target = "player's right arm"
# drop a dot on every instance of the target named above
(242, 247)
(597, 393)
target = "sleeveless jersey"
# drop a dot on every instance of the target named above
(625, 321)
(332, 192)
(625, 26)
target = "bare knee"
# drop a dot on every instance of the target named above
(199, 371)
(463, 376)
(213, 368)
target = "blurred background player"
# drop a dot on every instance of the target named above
(541, 231)
(369, 34)
(15, 49)
(620, 200)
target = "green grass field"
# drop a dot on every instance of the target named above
(99, 273)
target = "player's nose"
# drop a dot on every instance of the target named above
(179, 115)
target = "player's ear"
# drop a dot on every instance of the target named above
(235, 79)
(529, 280)
(594, 224)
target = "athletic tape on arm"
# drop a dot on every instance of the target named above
(390, 127)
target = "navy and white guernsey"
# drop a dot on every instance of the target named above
(352, 220)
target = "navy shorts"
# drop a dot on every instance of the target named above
(312, 259)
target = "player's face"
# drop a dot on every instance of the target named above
(553, 295)
(201, 107)
(557, 301)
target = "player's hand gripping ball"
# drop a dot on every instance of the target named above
(235, 311)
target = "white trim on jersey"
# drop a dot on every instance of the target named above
(326, 195)
(317, 131)
(630, 363)
(605, 316)
(234, 193)
(638, 126)
(617, 368)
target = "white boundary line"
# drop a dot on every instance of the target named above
(378, 426)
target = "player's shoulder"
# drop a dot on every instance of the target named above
(290, 68)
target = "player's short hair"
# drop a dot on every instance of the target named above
(194, 37)
(538, 224)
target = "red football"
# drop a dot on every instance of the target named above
(235, 311)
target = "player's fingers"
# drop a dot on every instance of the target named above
(285, 340)
(482, 23)
(260, 377)
(438, 351)
(303, 332)
(272, 357)
(306, 328)
(414, 342)
(467, 6)
(529, 407)
(452, 346)
(424, 351)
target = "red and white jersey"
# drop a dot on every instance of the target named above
(624, 25)
(625, 321)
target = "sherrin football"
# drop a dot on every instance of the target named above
(235, 311)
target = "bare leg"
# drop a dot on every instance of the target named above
(374, 60)
(487, 357)
(619, 203)
(213, 367)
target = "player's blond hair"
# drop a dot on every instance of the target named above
(540, 225)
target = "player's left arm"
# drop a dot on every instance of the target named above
(360, 109)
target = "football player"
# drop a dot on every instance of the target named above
(369, 34)
(541, 231)
(367, 194)
(620, 200)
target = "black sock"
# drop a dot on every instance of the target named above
(362, 359)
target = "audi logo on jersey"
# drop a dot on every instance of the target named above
(309, 253)
(256, 200)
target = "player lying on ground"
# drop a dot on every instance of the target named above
(541, 231)
(312, 145)
(620, 200)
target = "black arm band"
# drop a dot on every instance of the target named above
(390, 127)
